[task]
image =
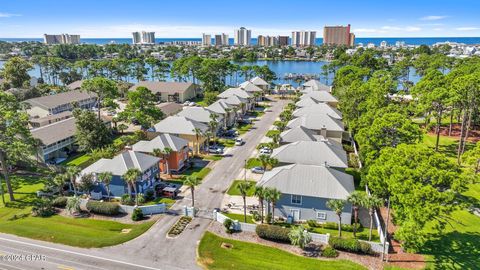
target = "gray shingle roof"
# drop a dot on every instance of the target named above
(52, 101)
(219, 107)
(312, 153)
(199, 114)
(75, 85)
(164, 87)
(122, 162)
(322, 108)
(309, 180)
(306, 102)
(316, 86)
(55, 132)
(179, 125)
(235, 92)
(250, 87)
(317, 122)
(169, 108)
(259, 81)
(299, 134)
(161, 142)
(235, 100)
(319, 96)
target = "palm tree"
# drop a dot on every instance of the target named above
(272, 162)
(337, 206)
(106, 178)
(130, 177)
(273, 195)
(72, 173)
(163, 153)
(299, 236)
(192, 181)
(243, 188)
(213, 125)
(356, 199)
(198, 133)
(372, 202)
(264, 160)
(59, 181)
(259, 192)
(275, 138)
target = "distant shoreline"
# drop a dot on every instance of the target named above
(364, 40)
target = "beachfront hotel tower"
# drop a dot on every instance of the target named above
(242, 37)
(338, 35)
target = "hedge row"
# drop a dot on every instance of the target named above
(350, 245)
(274, 233)
(103, 208)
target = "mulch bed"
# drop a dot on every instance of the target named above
(122, 218)
(370, 262)
(397, 256)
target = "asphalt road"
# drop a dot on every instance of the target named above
(152, 250)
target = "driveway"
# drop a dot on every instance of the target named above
(152, 250)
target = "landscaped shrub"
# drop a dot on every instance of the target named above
(345, 227)
(329, 252)
(137, 214)
(350, 245)
(256, 216)
(228, 224)
(43, 208)
(127, 199)
(312, 223)
(73, 205)
(149, 195)
(179, 226)
(140, 198)
(274, 233)
(103, 208)
(60, 202)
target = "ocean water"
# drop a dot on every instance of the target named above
(319, 41)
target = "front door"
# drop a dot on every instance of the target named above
(295, 214)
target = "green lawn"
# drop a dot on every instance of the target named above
(272, 132)
(16, 219)
(197, 171)
(244, 128)
(447, 145)
(159, 200)
(243, 255)
(253, 162)
(239, 217)
(361, 234)
(233, 190)
(226, 142)
(212, 157)
(80, 160)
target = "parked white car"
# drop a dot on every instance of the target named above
(265, 151)
(258, 170)
(215, 150)
(239, 141)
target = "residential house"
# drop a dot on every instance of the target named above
(306, 102)
(315, 85)
(227, 112)
(118, 166)
(252, 89)
(321, 96)
(306, 189)
(184, 128)
(66, 101)
(174, 161)
(170, 91)
(238, 97)
(299, 133)
(319, 108)
(76, 85)
(202, 115)
(322, 124)
(261, 83)
(321, 153)
(49, 119)
(56, 140)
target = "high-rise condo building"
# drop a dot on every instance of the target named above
(242, 37)
(143, 37)
(303, 38)
(206, 40)
(61, 39)
(221, 40)
(267, 41)
(338, 35)
(283, 40)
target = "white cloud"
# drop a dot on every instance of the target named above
(438, 29)
(8, 15)
(433, 18)
(467, 28)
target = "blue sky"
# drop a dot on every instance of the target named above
(189, 18)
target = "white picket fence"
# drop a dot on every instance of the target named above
(316, 237)
(146, 209)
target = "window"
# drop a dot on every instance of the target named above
(296, 199)
(321, 215)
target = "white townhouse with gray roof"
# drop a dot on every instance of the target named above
(322, 124)
(306, 189)
(61, 102)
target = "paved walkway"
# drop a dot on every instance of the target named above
(153, 250)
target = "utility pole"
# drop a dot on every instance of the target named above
(245, 172)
